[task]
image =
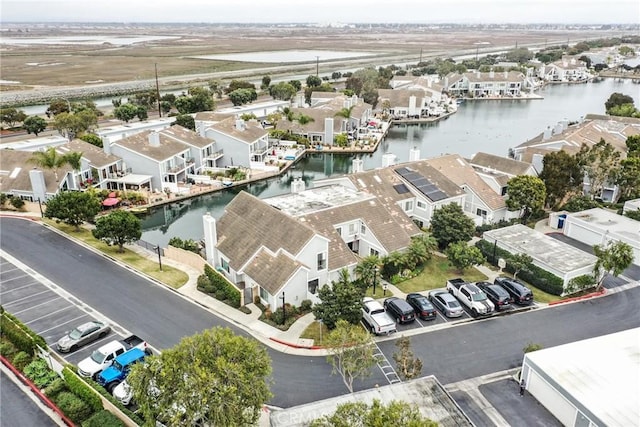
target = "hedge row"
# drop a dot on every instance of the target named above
(78, 387)
(19, 334)
(536, 276)
(217, 285)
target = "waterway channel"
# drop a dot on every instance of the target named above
(488, 126)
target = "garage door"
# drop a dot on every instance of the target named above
(551, 399)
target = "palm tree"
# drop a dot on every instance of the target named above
(74, 159)
(367, 269)
(49, 159)
(345, 113)
(420, 250)
(303, 119)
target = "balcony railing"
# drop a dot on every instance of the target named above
(214, 156)
(119, 174)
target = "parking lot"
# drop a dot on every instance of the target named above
(46, 309)
(441, 319)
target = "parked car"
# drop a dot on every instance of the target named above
(82, 335)
(119, 369)
(376, 317)
(421, 305)
(497, 295)
(471, 296)
(519, 292)
(400, 310)
(445, 302)
(104, 356)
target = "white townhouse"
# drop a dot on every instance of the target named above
(566, 70)
(202, 150)
(496, 171)
(588, 131)
(289, 246)
(478, 85)
(404, 103)
(415, 187)
(243, 143)
(482, 203)
(163, 158)
(118, 130)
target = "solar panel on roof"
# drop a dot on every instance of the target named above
(401, 188)
(438, 195)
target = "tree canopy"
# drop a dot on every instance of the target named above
(282, 90)
(341, 300)
(613, 259)
(243, 96)
(351, 352)
(526, 194)
(126, 112)
(462, 256)
(73, 207)
(562, 176)
(396, 413)
(50, 159)
(215, 377)
(119, 227)
(11, 116)
(186, 121)
(34, 124)
(449, 224)
(617, 99)
(74, 124)
(600, 163)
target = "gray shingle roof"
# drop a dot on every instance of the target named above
(94, 155)
(250, 133)
(499, 163)
(187, 136)
(14, 172)
(139, 143)
(272, 271)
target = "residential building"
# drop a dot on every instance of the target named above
(588, 131)
(201, 149)
(483, 203)
(289, 246)
(417, 188)
(158, 155)
(492, 84)
(119, 130)
(244, 143)
(566, 70)
(19, 178)
(496, 171)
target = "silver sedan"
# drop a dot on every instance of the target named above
(81, 335)
(446, 303)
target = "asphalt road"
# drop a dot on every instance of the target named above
(17, 409)
(163, 317)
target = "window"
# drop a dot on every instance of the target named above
(408, 205)
(481, 212)
(322, 260)
(503, 192)
(312, 286)
(339, 231)
(421, 205)
(363, 229)
(264, 295)
(352, 229)
(225, 264)
(374, 252)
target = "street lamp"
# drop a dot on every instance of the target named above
(284, 310)
(157, 248)
(375, 273)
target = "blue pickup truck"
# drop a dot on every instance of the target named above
(119, 369)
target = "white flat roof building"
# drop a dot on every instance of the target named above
(557, 257)
(598, 226)
(594, 382)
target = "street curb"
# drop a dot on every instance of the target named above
(304, 347)
(580, 298)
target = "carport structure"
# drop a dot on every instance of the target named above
(593, 382)
(557, 257)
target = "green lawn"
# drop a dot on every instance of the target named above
(169, 276)
(313, 332)
(435, 274)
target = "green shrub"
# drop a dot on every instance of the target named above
(20, 335)
(580, 283)
(7, 349)
(3, 199)
(305, 305)
(81, 389)
(531, 347)
(203, 283)
(21, 359)
(108, 396)
(187, 245)
(38, 372)
(534, 275)
(73, 407)
(55, 387)
(103, 419)
(221, 288)
(16, 202)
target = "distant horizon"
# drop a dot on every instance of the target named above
(581, 24)
(500, 12)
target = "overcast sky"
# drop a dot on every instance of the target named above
(323, 11)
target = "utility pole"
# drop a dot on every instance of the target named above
(317, 65)
(420, 62)
(158, 92)
(284, 310)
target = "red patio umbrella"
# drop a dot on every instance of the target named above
(111, 201)
(112, 194)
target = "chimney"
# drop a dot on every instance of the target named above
(297, 186)
(547, 133)
(239, 124)
(506, 74)
(478, 74)
(210, 238)
(492, 74)
(357, 165)
(346, 103)
(38, 186)
(446, 82)
(106, 145)
(414, 154)
(154, 139)
(388, 159)
(565, 124)
(558, 129)
(429, 82)
(328, 130)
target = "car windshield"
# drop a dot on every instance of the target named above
(98, 357)
(75, 334)
(117, 365)
(453, 304)
(480, 296)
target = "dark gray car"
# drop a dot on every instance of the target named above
(446, 303)
(82, 335)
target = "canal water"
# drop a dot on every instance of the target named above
(488, 126)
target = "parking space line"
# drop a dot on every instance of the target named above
(63, 323)
(27, 297)
(15, 313)
(14, 278)
(48, 314)
(442, 316)
(419, 322)
(35, 282)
